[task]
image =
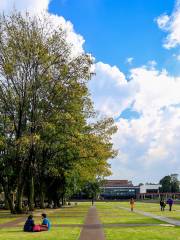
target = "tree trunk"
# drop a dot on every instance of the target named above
(31, 193)
(63, 200)
(19, 197)
(8, 198)
(42, 206)
(6, 204)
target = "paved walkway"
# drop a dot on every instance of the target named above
(92, 229)
(161, 218)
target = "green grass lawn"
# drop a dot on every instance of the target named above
(7, 219)
(57, 233)
(112, 213)
(155, 209)
(68, 215)
(109, 213)
(143, 233)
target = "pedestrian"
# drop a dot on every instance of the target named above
(92, 201)
(170, 203)
(162, 204)
(132, 204)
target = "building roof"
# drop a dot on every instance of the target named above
(118, 183)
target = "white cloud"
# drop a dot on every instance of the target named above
(40, 7)
(110, 90)
(129, 60)
(171, 24)
(156, 90)
(177, 57)
(163, 21)
(73, 38)
(152, 63)
(149, 146)
(24, 5)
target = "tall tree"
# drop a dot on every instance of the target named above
(169, 184)
(44, 111)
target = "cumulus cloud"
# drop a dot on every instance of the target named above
(148, 145)
(40, 7)
(157, 89)
(163, 21)
(73, 38)
(110, 90)
(171, 24)
(24, 5)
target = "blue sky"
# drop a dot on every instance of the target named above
(136, 44)
(116, 30)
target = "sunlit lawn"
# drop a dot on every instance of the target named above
(112, 213)
(69, 215)
(57, 233)
(109, 213)
(143, 233)
(155, 209)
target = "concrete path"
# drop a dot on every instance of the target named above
(92, 229)
(161, 218)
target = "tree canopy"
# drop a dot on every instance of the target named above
(50, 140)
(169, 184)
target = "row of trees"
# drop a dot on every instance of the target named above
(51, 144)
(170, 184)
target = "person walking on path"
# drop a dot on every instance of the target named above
(132, 202)
(162, 204)
(92, 201)
(170, 203)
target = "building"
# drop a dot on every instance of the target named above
(124, 189)
(149, 188)
(119, 189)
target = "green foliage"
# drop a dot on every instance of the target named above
(169, 184)
(45, 135)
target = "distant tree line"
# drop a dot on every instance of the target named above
(51, 144)
(170, 184)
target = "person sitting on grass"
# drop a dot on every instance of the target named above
(45, 226)
(29, 224)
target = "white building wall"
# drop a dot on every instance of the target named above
(144, 188)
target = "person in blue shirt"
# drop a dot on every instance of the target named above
(46, 225)
(29, 224)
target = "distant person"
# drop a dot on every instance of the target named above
(45, 226)
(132, 202)
(26, 207)
(92, 201)
(170, 203)
(29, 224)
(162, 204)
